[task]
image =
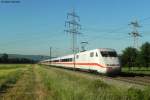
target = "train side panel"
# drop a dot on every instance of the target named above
(93, 60)
(90, 60)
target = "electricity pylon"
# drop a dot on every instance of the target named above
(135, 34)
(73, 28)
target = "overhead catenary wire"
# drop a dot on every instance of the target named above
(115, 30)
(91, 29)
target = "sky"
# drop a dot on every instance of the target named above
(30, 27)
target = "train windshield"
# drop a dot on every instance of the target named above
(109, 53)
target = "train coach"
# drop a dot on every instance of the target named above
(103, 60)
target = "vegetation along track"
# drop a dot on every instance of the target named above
(135, 79)
(39, 82)
(28, 86)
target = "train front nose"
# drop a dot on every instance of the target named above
(113, 69)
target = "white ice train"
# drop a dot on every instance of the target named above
(101, 60)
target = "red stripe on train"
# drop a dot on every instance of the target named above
(71, 63)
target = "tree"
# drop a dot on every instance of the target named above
(129, 57)
(4, 58)
(0, 60)
(145, 54)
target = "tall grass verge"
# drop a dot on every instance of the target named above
(9, 79)
(68, 86)
(9, 74)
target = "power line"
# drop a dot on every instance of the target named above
(144, 19)
(116, 30)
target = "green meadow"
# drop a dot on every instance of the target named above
(39, 82)
(137, 70)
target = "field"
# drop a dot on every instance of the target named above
(38, 82)
(136, 70)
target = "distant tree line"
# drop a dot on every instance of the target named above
(133, 57)
(4, 59)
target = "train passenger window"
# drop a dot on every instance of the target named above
(91, 54)
(70, 59)
(67, 60)
(77, 56)
(56, 61)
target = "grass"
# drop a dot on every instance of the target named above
(10, 66)
(67, 86)
(136, 70)
(9, 79)
(24, 88)
(9, 74)
(37, 82)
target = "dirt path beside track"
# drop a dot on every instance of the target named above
(28, 87)
(40, 90)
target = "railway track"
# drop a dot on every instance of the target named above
(132, 79)
(137, 80)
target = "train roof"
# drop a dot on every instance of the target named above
(101, 49)
(71, 55)
(106, 49)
